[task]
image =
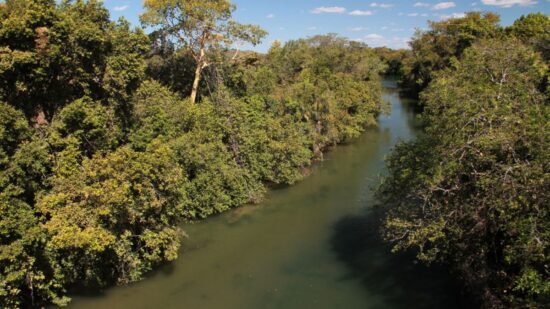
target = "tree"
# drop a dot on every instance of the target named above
(52, 54)
(198, 26)
(13, 130)
(196, 133)
(98, 168)
(87, 125)
(445, 41)
(26, 278)
(115, 216)
(474, 190)
(326, 83)
(24, 159)
(392, 58)
(533, 29)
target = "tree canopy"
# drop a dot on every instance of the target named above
(445, 41)
(474, 190)
(103, 155)
(533, 29)
(197, 26)
(53, 54)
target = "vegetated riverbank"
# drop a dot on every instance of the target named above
(474, 190)
(316, 243)
(106, 146)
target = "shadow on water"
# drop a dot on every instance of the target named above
(397, 279)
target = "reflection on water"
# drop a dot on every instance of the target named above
(315, 244)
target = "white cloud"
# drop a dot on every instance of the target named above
(381, 5)
(357, 29)
(443, 5)
(312, 28)
(329, 9)
(377, 40)
(360, 13)
(374, 37)
(270, 16)
(120, 8)
(412, 14)
(421, 4)
(508, 3)
(453, 15)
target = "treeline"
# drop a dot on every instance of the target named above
(103, 153)
(474, 190)
(442, 45)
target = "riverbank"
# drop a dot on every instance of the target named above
(312, 244)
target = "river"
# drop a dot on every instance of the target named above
(311, 245)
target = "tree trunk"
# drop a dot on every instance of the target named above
(198, 71)
(39, 119)
(196, 81)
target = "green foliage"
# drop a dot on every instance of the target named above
(98, 166)
(533, 29)
(474, 190)
(26, 173)
(117, 217)
(52, 54)
(86, 125)
(265, 121)
(174, 69)
(26, 276)
(216, 181)
(392, 58)
(124, 69)
(328, 84)
(24, 159)
(445, 41)
(198, 26)
(439, 47)
(226, 150)
(273, 148)
(158, 113)
(13, 130)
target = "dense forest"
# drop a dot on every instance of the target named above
(113, 135)
(474, 190)
(110, 138)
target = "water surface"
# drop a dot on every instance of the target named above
(312, 245)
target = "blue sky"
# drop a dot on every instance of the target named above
(377, 23)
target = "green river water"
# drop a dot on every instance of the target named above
(312, 245)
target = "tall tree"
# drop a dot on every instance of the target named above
(197, 26)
